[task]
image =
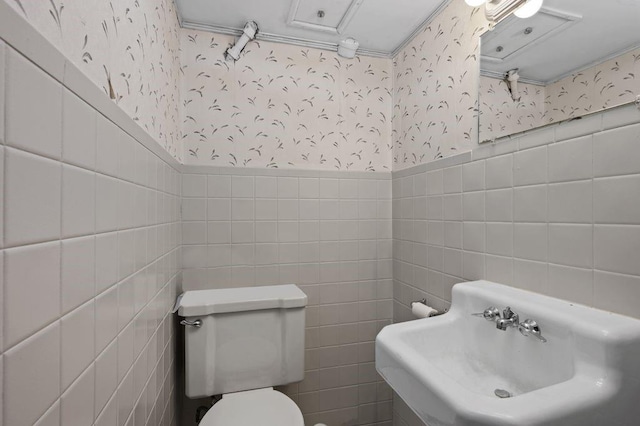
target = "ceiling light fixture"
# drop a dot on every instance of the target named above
(530, 8)
(248, 33)
(497, 10)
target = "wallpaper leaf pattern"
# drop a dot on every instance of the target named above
(435, 88)
(500, 115)
(129, 48)
(283, 106)
(605, 85)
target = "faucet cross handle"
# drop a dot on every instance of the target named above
(490, 314)
(507, 313)
(529, 327)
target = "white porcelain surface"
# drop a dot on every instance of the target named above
(2, 89)
(106, 368)
(32, 381)
(106, 318)
(616, 152)
(31, 93)
(78, 271)
(571, 160)
(77, 342)
(32, 198)
(499, 172)
(22, 282)
(447, 368)
(51, 417)
(266, 407)
(222, 355)
(77, 402)
(78, 131)
(107, 146)
(572, 202)
(530, 166)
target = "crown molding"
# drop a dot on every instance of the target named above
(421, 27)
(275, 38)
(324, 45)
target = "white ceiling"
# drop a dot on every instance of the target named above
(572, 35)
(381, 26)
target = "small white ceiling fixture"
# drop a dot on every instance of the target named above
(347, 48)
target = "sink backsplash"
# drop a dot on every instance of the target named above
(538, 211)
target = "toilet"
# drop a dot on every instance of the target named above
(239, 343)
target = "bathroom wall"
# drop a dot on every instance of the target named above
(436, 84)
(132, 45)
(435, 88)
(283, 106)
(554, 211)
(90, 248)
(328, 232)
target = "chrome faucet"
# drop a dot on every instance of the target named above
(509, 319)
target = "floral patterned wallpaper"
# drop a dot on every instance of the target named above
(283, 106)
(436, 88)
(287, 106)
(129, 48)
(436, 91)
(604, 85)
(608, 84)
(500, 115)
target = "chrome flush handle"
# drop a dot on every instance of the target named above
(195, 323)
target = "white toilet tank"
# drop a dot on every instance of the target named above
(248, 338)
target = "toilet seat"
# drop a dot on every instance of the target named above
(263, 407)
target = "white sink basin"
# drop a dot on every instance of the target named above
(447, 368)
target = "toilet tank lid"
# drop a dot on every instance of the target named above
(206, 302)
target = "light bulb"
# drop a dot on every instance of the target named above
(475, 3)
(530, 8)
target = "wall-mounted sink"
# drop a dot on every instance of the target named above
(460, 369)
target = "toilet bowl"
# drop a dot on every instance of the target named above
(264, 407)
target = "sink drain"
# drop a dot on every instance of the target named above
(501, 393)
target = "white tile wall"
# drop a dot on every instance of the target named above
(30, 93)
(32, 198)
(89, 269)
(330, 234)
(560, 218)
(79, 127)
